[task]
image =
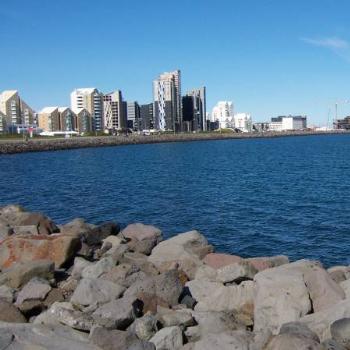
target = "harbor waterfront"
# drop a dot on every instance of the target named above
(250, 197)
(17, 145)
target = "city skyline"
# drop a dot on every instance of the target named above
(267, 57)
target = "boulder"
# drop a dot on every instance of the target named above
(168, 287)
(281, 296)
(97, 269)
(107, 339)
(205, 272)
(214, 296)
(331, 344)
(21, 273)
(118, 314)
(142, 238)
(78, 266)
(7, 293)
(65, 313)
(34, 289)
(120, 274)
(139, 260)
(179, 251)
(144, 327)
(292, 342)
(10, 214)
(111, 244)
(91, 291)
(264, 263)
(57, 248)
(236, 340)
(5, 230)
(9, 313)
(143, 285)
(218, 260)
(339, 273)
(44, 225)
(320, 322)
(182, 318)
(96, 236)
(35, 336)
(25, 230)
(77, 228)
(323, 290)
(236, 272)
(168, 338)
(340, 331)
(345, 285)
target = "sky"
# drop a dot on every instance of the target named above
(270, 57)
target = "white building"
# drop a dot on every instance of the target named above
(285, 123)
(223, 113)
(167, 101)
(90, 99)
(243, 122)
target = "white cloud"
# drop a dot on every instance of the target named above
(333, 43)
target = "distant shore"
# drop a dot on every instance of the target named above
(11, 146)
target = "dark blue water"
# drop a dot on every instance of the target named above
(249, 197)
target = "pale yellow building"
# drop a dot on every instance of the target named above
(15, 109)
(49, 119)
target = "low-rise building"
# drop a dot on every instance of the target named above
(342, 124)
(285, 123)
(83, 121)
(67, 119)
(49, 119)
(2, 123)
(261, 126)
(243, 122)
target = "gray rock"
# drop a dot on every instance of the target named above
(35, 289)
(95, 292)
(141, 261)
(340, 331)
(281, 296)
(5, 230)
(176, 318)
(345, 285)
(169, 287)
(118, 314)
(339, 273)
(77, 227)
(107, 339)
(9, 313)
(97, 269)
(33, 336)
(180, 251)
(300, 330)
(214, 296)
(331, 344)
(145, 327)
(119, 274)
(26, 230)
(146, 285)
(236, 340)
(96, 236)
(292, 342)
(79, 265)
(320, 322)
(236, 272)
(142, 238)
(21, 273)
(169, 338)
(7, 293)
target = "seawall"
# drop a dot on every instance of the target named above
(8, 146)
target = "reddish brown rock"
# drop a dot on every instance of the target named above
(23, 248)
(217, 260)
(263, 263)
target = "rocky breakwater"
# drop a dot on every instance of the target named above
(81, 286)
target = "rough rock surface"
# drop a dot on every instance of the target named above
(23, 248)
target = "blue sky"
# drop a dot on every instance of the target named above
(269, 57)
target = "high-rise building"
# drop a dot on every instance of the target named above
(49, 119)
(114, 111)
(133, 112)
(194, 110)
(223, 114)
(146, 116)
(15, 109)
(167, 101)
(67, 119)
(92, 100)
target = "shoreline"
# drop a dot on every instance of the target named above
(57, 144)
(100, 285)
